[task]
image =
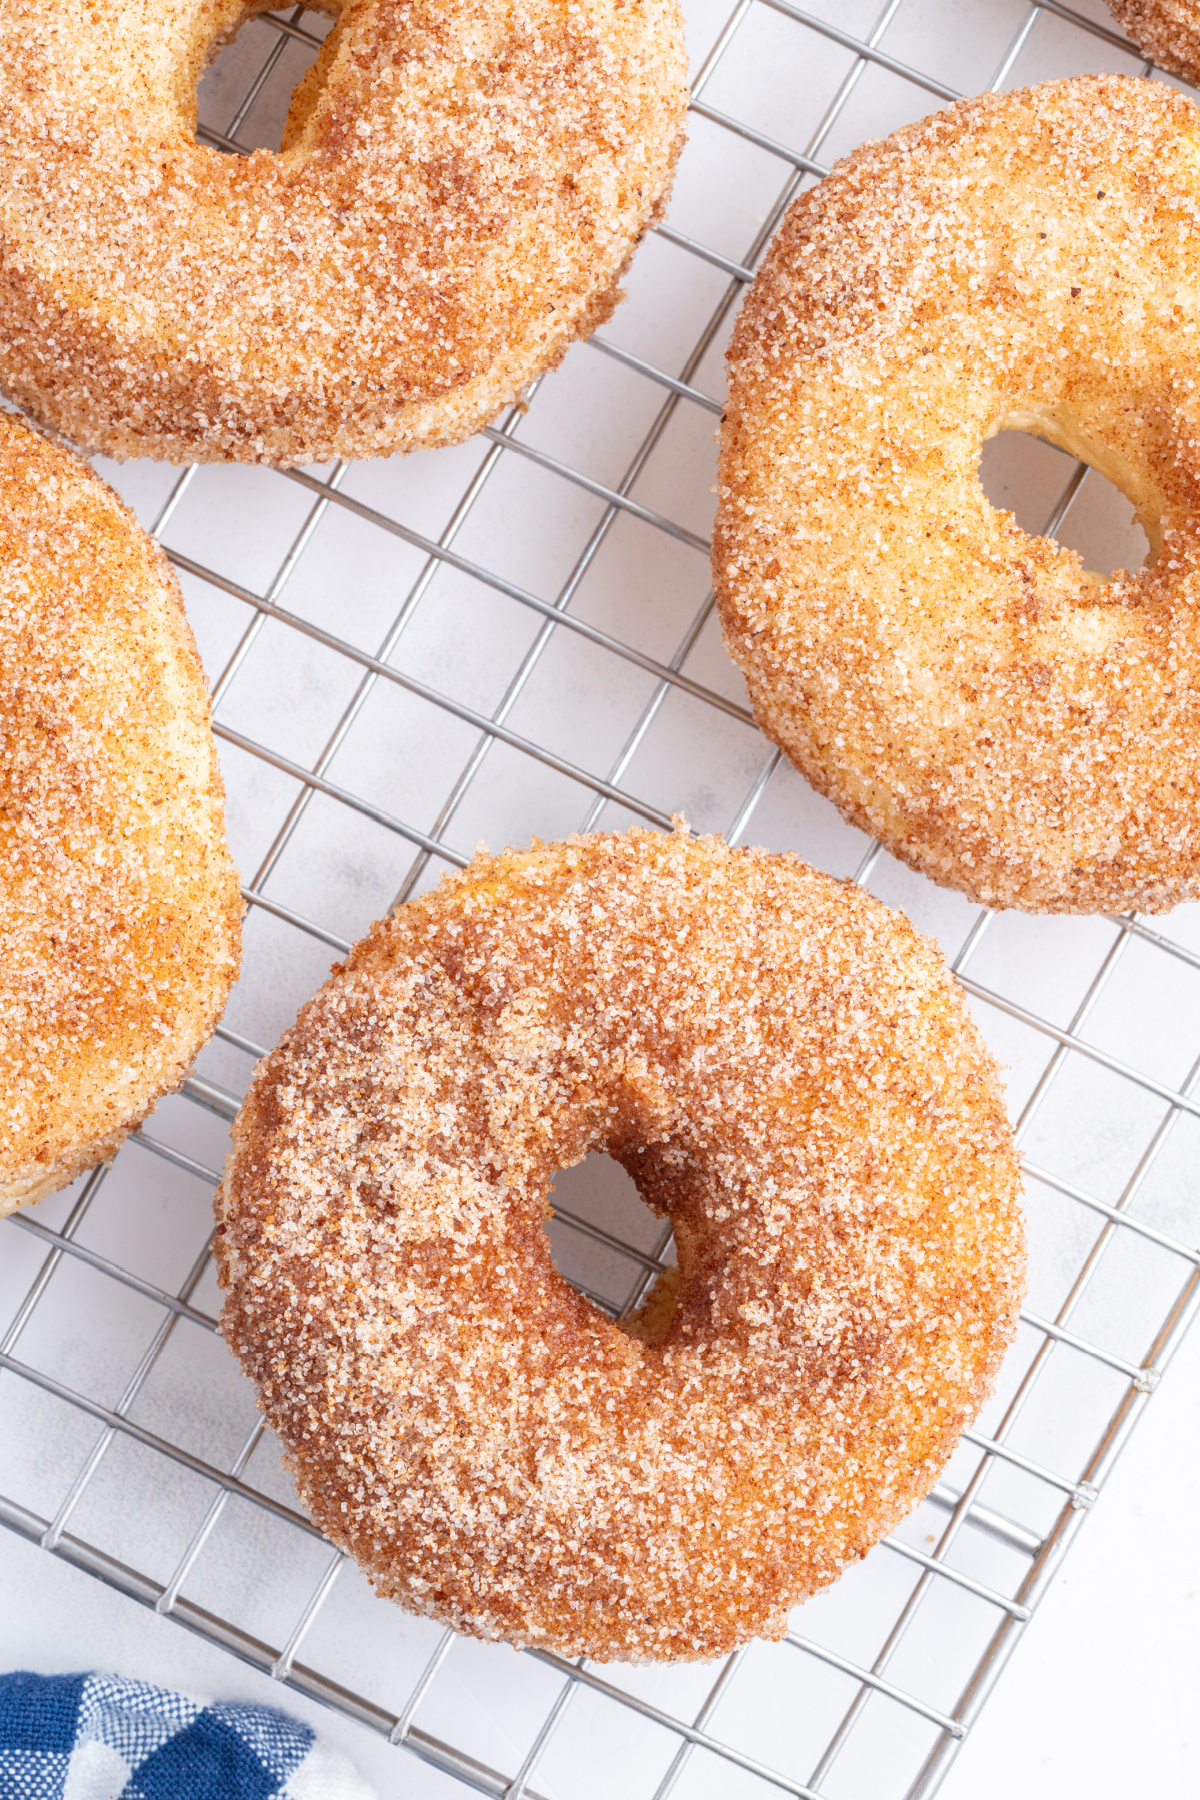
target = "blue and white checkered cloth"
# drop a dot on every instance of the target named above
(98, 1737)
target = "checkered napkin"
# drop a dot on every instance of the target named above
(98, 1737)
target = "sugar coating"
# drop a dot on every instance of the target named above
(460, 187)
(1167, 30)
(119, 906)
(786, 1070)
(1004, 720)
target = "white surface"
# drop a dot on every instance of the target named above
(1100, 1698)
(54, 1619)
(404, 755)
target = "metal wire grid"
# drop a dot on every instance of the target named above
(1035, 1548)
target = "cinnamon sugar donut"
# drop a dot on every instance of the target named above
(1001, 719)
(119, 906)
(459, 189)
(788, 1073)
(1167, 30)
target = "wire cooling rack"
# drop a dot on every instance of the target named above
(517, 636)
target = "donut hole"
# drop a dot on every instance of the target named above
(603, 1236)
(1034, 479)
(260, 85)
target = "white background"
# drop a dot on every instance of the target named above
(1101, 1692)
(1102, 1697)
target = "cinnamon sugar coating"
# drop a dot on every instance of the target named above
(119, 906)
(1002, 719)
(1167, 30)
(461, 184)
(786, 1070)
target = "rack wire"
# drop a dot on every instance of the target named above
(518, 636)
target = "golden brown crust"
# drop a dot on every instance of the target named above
(460, 187)
(119, 906)
(785, 1068)
(1167, 30)
(1001, 719)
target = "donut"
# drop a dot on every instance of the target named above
(789, 1075)
(458, 192)
(1001, 719)
(1167, 30)
(119, 906)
